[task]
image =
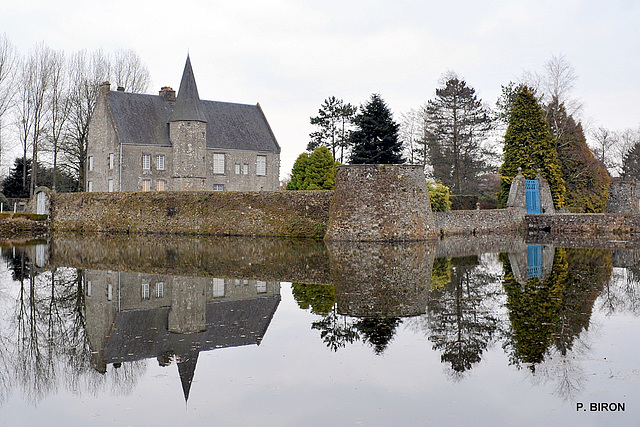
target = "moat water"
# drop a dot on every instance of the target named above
(153, 330)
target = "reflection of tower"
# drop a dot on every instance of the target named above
(188, 304)
(381, 279)
(534, 263)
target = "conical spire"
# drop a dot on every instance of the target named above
(188, 106)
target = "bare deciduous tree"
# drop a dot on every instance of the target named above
(129, 72)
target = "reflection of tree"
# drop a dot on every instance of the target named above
(336, 330)
(377, 331)
(622, 293)
(547, 319)
(534, 310)
(461, 320)
(321, 298)
(44, 344)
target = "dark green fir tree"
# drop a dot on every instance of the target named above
(375, 139)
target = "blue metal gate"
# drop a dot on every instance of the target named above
(533, 196)
(534, 261)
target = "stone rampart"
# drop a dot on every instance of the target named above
(275, 213)
(586, 224)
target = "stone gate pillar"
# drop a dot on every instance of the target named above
(381, 203)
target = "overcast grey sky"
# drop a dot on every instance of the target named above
(289, 55)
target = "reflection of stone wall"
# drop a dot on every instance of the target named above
(381, 279)
(381, 203)
(462, 246)
(271, 259)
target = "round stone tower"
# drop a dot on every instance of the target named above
(381, 203)
(188, 135)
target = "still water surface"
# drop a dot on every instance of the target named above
(116, 330)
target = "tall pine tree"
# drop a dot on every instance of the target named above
(529, 145)
(456, 125)
(375, 139)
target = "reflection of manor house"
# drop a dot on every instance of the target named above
(133, 316)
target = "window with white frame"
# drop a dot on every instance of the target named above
(261, 165)
(218, 288)
(110, 185)
(90, 186)
(238, 169)
(245, 169)
(145, 291)
(146, 161)
(110, 292)
(160, 162)
(90, 161)
(218, 187)
(160, 290)
(89, 290)
(146, 185)
(218, 163)
(160, 185)
(261, 287)
(112, 159)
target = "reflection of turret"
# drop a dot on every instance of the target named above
(536, 262)
(133, 316)
(381, 279)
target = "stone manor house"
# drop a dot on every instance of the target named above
(139, 142)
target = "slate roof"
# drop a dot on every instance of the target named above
(188, 105)
(144, 119)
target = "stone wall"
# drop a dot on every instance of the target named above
(381, 203)
(476, 222)
(277, 213)
(586, 224)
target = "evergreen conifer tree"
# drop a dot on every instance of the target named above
(298, 172)
(313, 172)
(375, 139)
(586, 179)
(529, 145)
(631, 163)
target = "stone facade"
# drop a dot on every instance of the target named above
(162, 142)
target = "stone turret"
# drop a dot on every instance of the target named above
(381, 203)
(188, 135)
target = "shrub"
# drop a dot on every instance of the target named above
(439, 196)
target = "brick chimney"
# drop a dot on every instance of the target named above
(168, 94)
(105, 86)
